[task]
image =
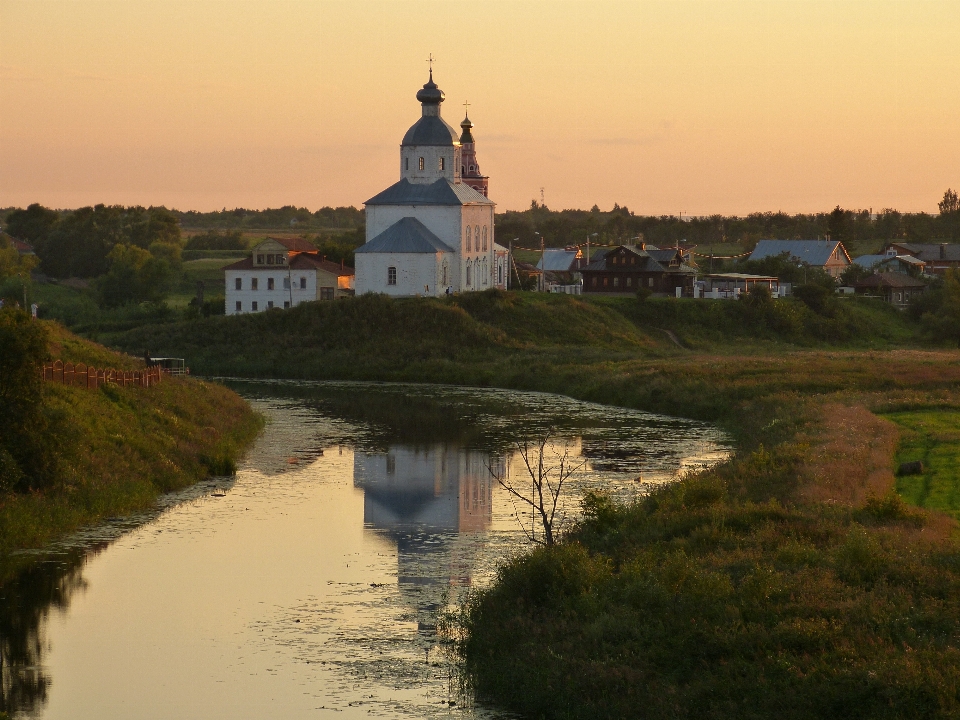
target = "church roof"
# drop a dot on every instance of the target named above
(440, 192)
(407, 235)
(431, 130)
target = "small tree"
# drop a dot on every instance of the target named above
(546, 486)
(950, 203)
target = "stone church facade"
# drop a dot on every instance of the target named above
(432, 231)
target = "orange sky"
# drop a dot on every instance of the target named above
(700, 107)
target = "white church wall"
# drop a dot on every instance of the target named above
(410, 163)
(442, 220)
(416, 273)
(477, 216)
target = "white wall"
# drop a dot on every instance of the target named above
(474, 216)
(415, 272)
(279, 295)
(410, 163)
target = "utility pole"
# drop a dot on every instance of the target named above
(509, 260)
(543, 267)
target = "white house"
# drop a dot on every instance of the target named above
(282, 273)
(429, 233)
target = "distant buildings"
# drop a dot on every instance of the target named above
(627, 268)
(432, 232)
(282, 273)
(829, 255)
(936, 258)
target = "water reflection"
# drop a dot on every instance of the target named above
(367, 506)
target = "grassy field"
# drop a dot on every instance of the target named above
(120, 447)
(206, 270)
(933, 437)
(790, 581)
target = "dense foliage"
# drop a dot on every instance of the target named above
(287, 216)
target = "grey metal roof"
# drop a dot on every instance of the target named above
(812, 252)
(558, 260)
(407, 235)
(440, 192)
(431, 130)
(868, 261)
(930, 252)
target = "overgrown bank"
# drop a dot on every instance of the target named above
(789, 581)
(102, 452)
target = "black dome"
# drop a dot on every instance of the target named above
(430, 94)
(430, 130)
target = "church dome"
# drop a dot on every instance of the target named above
(466, 136)
(431, 129)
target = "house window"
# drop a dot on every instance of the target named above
(484, 238)
(286, 304)
(616, 282)
(422, 166)
(269, 259)
(238, 284)
(269, 304)
(239, 306)
(442, 164)
(469, 231)
(650, 281)
(286, 283)
(605, 280)
(253, 306)
(391, 276)
(303, 283)
(269, 283)
(326, 293)
(629, 282)
(253, 285)
(593, 281)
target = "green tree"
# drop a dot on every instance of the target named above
(32, 224)
(27, 455)
(135, 275)
(950, 203)
(217, 240)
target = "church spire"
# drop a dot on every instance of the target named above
(470, 168)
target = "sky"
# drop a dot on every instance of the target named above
(692, 106)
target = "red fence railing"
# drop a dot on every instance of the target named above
(82, 375)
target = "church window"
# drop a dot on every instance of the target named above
(476, 234)
(469, 273)
(253, 283)
(442, 164)
(468, 238)
(269, 283)
(406, 163)
(391, 276)
(472, 168)
(463, 170)
(422, 165)
(239, 284)
(485, 275)
(253, 306)
(444, 282)
(484, 238)
(239, 306)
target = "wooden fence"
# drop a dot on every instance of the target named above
(88, 376)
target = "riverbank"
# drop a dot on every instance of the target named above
(789, 581)
(118, 448)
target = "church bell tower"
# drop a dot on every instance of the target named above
(470, 168)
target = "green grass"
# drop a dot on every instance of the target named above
(933, 437)
(121, 447)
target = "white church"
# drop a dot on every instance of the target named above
(431, 233)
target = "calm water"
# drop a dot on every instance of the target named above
(308, 585)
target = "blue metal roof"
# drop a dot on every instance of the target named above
(868, 261)
(440, 192)
(558, 260)
(408, 235)
(812, 252)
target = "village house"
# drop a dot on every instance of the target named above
(829, 255)
(895, 288)
(282, 273)
(937, 257)
(627, 268)
(891, 262)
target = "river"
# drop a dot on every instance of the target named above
(309, 585)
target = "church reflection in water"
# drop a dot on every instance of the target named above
(431, 501)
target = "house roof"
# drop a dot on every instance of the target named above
(648, 264)
(889, 279)
(868, 261)
(440, 192)
(930, 252)
(19, 245)
(812, 252)
(557, 260)
(295, 244)
(407, 235)
(302, 261)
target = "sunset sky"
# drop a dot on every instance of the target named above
(666, 107)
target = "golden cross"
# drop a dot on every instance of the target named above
(466, 108)
(430, 60)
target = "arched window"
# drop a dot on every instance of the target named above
(486, 275)
(463, 170)
(472, 168)
(476, 234)
(469, 269)
(444, 273)
(468, 238)
(484, 238)
(422, 165)
(442, 164)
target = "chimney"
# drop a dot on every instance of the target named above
(943, 251)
